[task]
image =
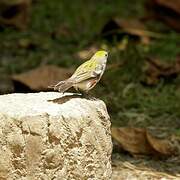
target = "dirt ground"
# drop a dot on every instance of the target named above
(126, 167)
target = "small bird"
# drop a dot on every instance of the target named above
(86, 76)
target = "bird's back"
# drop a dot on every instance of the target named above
(87, 66)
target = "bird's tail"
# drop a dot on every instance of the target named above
(62, 86)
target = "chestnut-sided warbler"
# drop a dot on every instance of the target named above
(87, 75)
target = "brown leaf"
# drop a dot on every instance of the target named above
(167, 11)
(40, 78)
(173, 4)
(156, 69)
(138, 141)
(162, 146)
(132, 27)
(15, 13)
(132, 140)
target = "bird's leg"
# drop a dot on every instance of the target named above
(92, 98)
(86, 95)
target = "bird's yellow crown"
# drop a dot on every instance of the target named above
(100, 53)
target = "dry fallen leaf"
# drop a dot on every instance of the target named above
(40, 78)
(138, 141)
(20, 16)
(132, 140)
(132, 27)
(166, 10)
(156, 69)
(173, 4)
(161, 146)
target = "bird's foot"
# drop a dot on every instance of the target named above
(93, 98)
(88, 96)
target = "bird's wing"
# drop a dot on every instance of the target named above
(87, 70)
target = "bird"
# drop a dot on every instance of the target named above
(86, 76)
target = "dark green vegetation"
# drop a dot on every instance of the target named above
(129, 101)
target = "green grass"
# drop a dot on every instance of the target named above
(129, 102)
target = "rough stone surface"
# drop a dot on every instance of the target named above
(41, 139)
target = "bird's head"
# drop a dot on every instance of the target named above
(100, 56)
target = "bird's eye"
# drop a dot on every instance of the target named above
(106, 55)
